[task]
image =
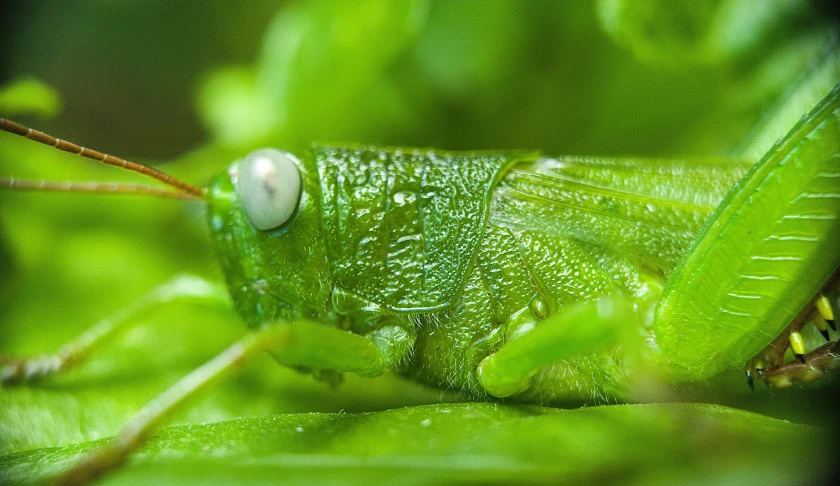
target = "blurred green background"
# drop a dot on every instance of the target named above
(152, 79)
(193, 86)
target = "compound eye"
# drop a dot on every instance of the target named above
(269, 187)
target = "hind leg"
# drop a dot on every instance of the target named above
(769, 364)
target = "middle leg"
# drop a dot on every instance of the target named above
(300, 343)
(508, 371)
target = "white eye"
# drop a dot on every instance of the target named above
(269, 187)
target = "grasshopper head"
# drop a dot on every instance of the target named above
(265, 219)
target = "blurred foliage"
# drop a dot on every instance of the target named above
(715, 32)
(202, 86)
(29, 96)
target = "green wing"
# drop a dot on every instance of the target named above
(645, 210)
(403, 226)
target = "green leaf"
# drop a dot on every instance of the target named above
(317, 57)
(466, 443)
(710, 32)
(29, 96)
(814, 85)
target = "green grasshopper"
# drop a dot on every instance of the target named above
(502, 274)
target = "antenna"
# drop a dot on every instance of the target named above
(185, 190)
(93, 187)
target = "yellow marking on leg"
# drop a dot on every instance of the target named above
(824, 306)
(819, 321)
(820, 324)
(797, 345)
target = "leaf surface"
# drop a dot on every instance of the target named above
(464, 442)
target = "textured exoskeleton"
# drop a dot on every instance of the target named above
(442, 258)
(502, 274)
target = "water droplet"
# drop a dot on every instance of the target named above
(539, 307)
(217, 223)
